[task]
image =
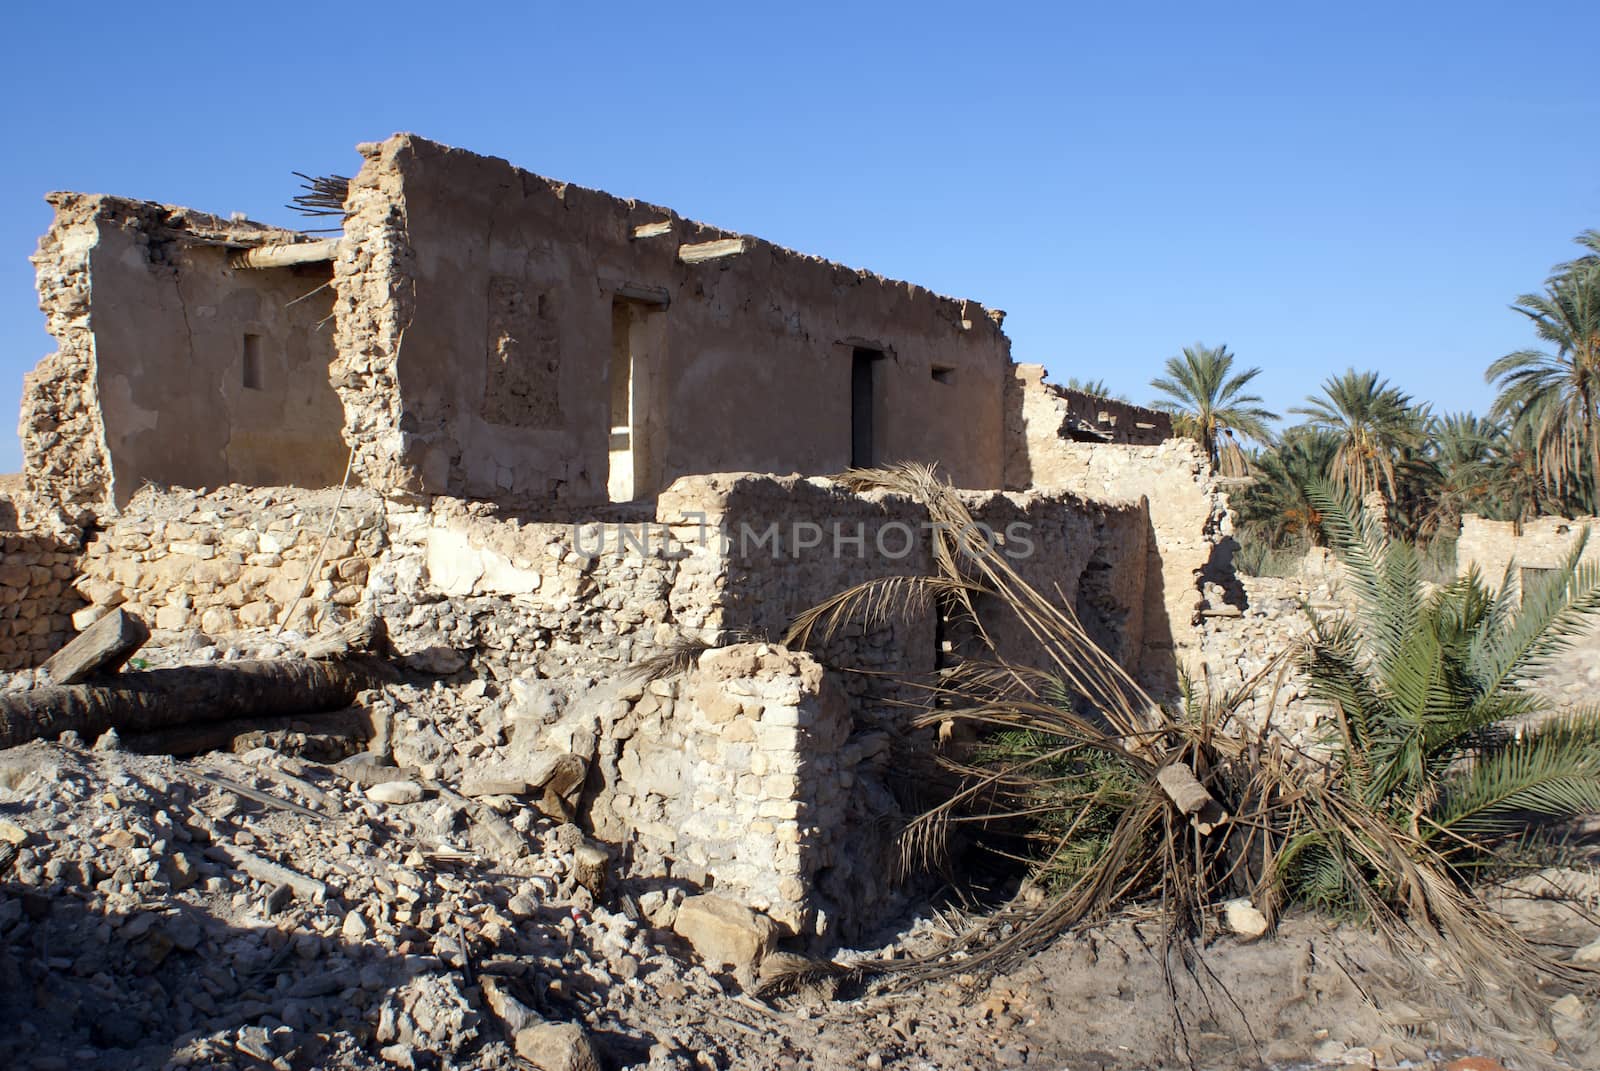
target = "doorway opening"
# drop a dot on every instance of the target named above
(864, 364)
(635, 348)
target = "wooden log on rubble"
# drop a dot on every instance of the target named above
(188, 695)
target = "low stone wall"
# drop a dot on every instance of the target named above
(747, 769)
(515, 593)
(1542, 543)
(234, 558)
(37, 601)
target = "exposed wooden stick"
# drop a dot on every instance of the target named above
(270, 872)
(285, 256)
(264, 798)
(103, 647)
(700, 252)
(1181, 786)
(1191, 797)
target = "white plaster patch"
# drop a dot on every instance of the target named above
(459, 568)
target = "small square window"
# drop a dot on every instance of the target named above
(943, 373)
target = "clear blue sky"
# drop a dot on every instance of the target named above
(1318, 186)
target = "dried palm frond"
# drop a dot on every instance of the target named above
(679, 655)
(1388, 826)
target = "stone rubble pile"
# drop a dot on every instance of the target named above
(159, 913)
(260, 908)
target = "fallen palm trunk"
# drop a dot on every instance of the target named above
(168, 698)
(350, 728)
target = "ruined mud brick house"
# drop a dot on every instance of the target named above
(543, 398)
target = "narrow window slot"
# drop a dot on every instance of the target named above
(252, 362)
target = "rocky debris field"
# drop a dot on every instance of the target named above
(297, 902)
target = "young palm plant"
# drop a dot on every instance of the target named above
(1434, 731)
(1119, 802)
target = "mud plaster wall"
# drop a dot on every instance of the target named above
(1543, 543)
(160, 350)
(478, 287)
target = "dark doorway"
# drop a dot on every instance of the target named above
(863, 402)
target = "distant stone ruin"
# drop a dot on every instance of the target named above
(577, 432)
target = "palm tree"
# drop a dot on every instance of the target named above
(1376, 425)
(1096, 387)
(1490, 468)
(1277, 505)
(1116, 799)
(1204, 398)
(1556, 394)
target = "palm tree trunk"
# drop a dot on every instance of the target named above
(1594, 451)
(164, 698)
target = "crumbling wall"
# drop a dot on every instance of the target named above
(1190, 545)
(483, 309)
(64, 449)
(1040, 414)
(374, 301)
(747, 770)
(788, 543)
(587, 599)
(1493, 547)
(513, 593)
(174, 367)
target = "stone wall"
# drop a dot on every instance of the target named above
(37, 601)
(235, 558)
(488, 316)
(1493, 547)
(188, 371)
(748, 770)
(1235, 648)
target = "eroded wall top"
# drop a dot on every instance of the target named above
(173, 366)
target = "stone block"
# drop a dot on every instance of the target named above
(725, 933)
(102, 648)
